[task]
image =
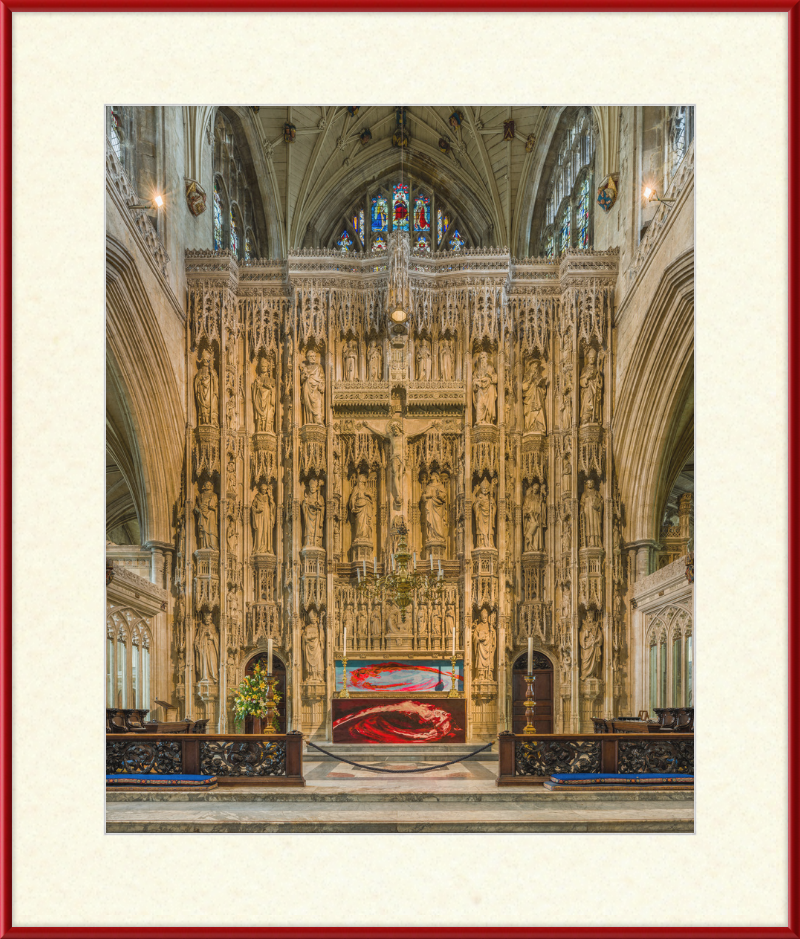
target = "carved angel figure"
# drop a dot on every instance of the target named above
(484, 508)
(206, 390)
(312, 380)
(484, 390)
(263, 398)
(262, 516)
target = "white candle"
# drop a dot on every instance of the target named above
(454, 642)
(358, 574)
(530, 655)
(375, 564)
(415, 560)
(269, 657)
(365, 569)
(431, 557)
(344, 654)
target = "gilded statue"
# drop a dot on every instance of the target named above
(484, 390)
(312, 380)
(361, 508)
(312, 508)
(592, 514)
(263, 399)
(484, 508)
(591, 383)
(262, 517)
(534, 397)
(312, 648)
(434, 510)
(207, 512)
(483, 635)
(206, 391)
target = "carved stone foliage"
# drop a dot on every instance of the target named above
(658, 756)
(261, 758)
(562, 756)
(145, 756)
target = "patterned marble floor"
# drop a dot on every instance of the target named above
(342, 798)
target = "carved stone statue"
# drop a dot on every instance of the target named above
(446, 370)
(206, 391)
(206, 650)
(534, 397)
(484, 508)
(566, 536)
(484, 390)
(375, 627)
(397, 465)
(436, 626)
(350, 359)
(312, 380)
(449, 622)
(533, 519)
(423, 360)
(566, 409)
(374, 361)
(312, 648)
(434, 508)
(207, 512)
(508, 404)
(361, 508)
(566, 608)
(263, 398)
(312, 508)
(591, 382)
(232, 536)
(262, 517)
(566, 472)
(422, 621)
(361, 627)
(592, 514)
(484, 639)
(349, 622)
(591, 640)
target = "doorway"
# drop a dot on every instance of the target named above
(252, 725)
(542, 692)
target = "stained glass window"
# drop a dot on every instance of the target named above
(676, 672)
(248, 244)
(400, 207)
(456, 242)
(582, 215)
(379, 243)
(115, 132)
(422, 243)
(380, 213)
(217, 217)
(358, 224)
(345, 242)
(422, 213)
(234, 235)
(564, 232)
(549, 249)
(442, 224)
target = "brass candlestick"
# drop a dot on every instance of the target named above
(453, 693)
(530, 705)
(270, 704)
(344, 693)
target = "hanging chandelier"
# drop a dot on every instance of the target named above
(402, 582)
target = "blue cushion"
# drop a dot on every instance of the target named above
(620, 776)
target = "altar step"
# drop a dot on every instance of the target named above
(400, 753)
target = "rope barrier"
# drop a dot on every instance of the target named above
(378, 769)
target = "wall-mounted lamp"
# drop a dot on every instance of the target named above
(652, 196)
(155, 203)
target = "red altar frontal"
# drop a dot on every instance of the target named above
(399, 720)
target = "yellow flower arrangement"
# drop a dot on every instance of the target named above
(251, 697)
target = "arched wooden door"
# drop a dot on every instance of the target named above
(542, 689)
(279, 672)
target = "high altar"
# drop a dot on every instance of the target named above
(333, 399)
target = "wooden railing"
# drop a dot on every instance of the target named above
(236, 759)
(529, 758)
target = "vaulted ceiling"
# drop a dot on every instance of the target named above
(312, 182)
